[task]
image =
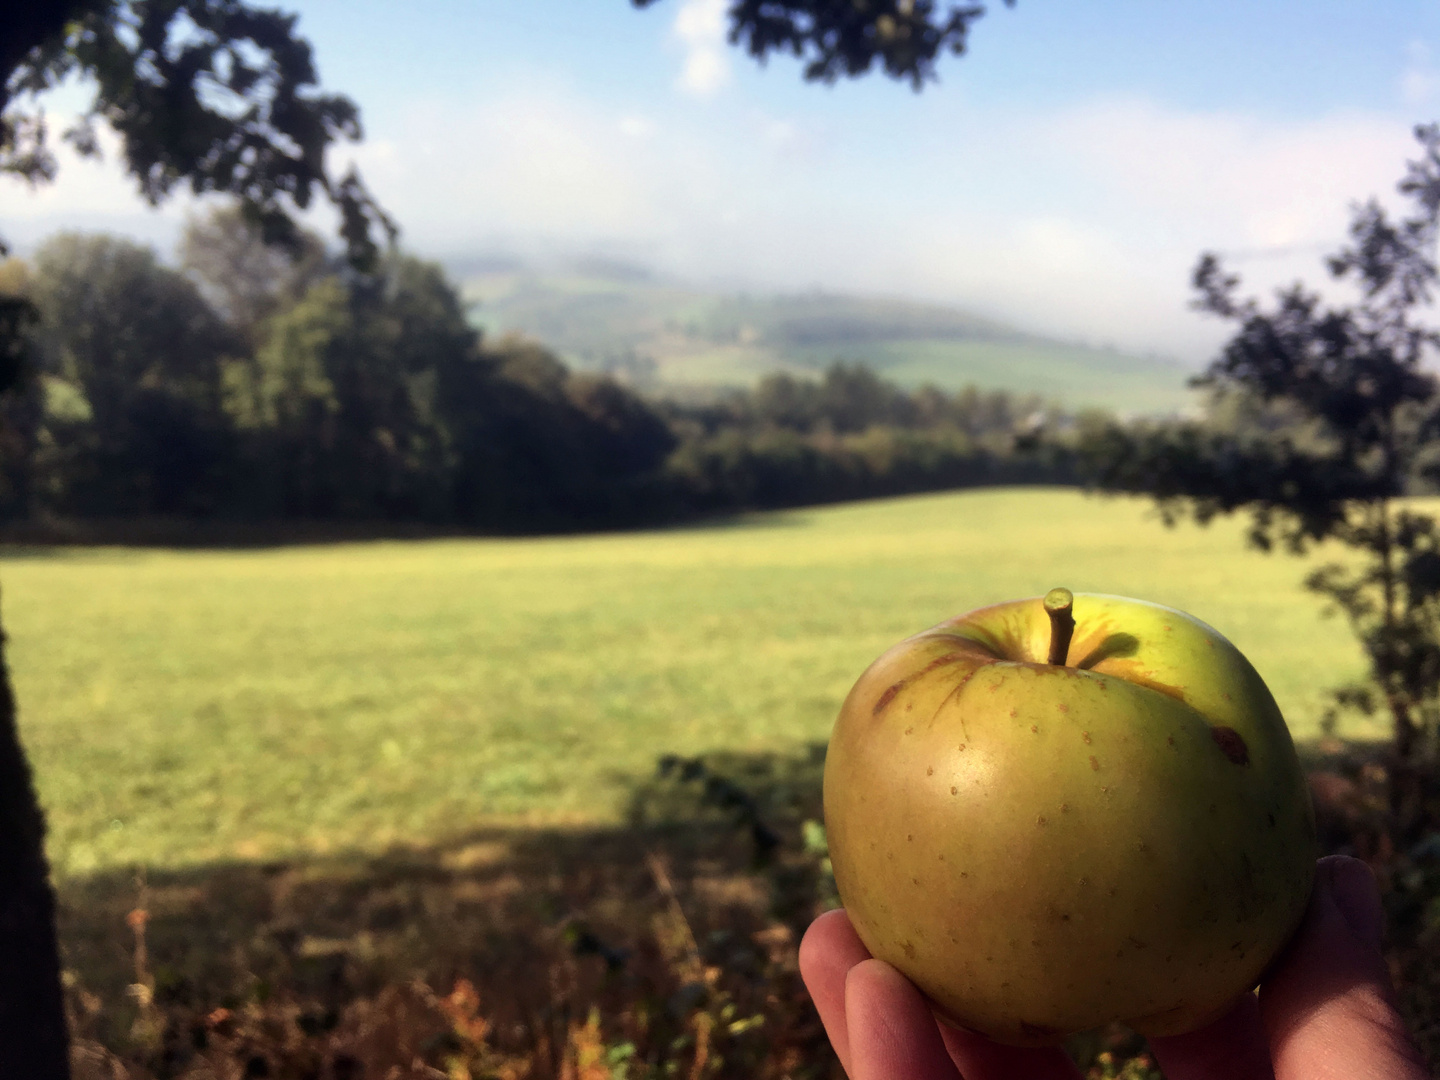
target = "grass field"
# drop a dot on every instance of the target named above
(185, 707)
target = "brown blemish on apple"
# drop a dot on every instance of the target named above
(1094, 765)
(930, 770)
(909, 947)
(1086, 736)
(887, 697)
(1034, 729)
(891, 691)
(964, 682)
(1040, 820)
(1065, 708)
(1014, 713)
(954, 790)
(1232, 744)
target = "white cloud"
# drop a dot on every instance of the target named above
(636, 127)
(1084, 222)
(1244, 181)
(1153, 187)
(700, 27)
(1419, 81)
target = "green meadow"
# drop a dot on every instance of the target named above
(187, 706)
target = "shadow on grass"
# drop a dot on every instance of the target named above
(48, 538)
(678, 928)
(661, 947)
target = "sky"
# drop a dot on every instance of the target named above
(1064, 175)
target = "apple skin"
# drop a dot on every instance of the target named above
(1044, 849)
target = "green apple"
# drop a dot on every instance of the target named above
(1048, 833)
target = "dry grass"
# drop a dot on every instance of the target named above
(664, 948)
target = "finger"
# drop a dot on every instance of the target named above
(1329, 1006)
(978, 1058)
(1235, 1047)
(829, 949)
(892, 1031)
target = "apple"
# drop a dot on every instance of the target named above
(1052, 818)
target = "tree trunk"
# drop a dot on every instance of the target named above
(34, 1043)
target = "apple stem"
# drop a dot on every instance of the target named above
(1059, 604)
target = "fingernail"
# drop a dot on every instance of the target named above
(1353, 888)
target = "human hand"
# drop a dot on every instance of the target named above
(1325, 1012)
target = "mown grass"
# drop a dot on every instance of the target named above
(187, 707)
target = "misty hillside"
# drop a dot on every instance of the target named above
(683, 341)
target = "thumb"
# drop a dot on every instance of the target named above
(1328, 1006)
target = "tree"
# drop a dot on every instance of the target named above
(242, 277)
(848, 37)
(343, 393)
(129, 365)
(535, 446)
(1332, 417)
(214, 93)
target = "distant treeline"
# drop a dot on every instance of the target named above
(852, 435)
(256, 385)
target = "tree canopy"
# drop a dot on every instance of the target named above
(1326, 417)
(836, 38)
(217, 95)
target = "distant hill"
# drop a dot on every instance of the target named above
(685, 341)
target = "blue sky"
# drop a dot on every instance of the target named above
(1064, 175)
